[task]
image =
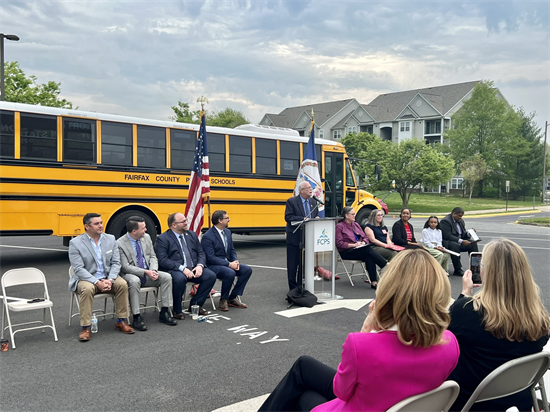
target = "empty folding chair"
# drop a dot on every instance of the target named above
(350, 273)
(25, 276)
(438, 400)
(512, 377)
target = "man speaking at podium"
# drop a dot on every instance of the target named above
(299, 207)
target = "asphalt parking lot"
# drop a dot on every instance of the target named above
(193, 366)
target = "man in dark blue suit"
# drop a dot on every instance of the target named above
(221, 258)
(179, 253)
(297, 208)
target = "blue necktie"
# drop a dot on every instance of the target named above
(187, 261)
(306, 208)
(140, 261)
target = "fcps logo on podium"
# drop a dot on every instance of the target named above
(323, 239)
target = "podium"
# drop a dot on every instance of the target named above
(319, 236)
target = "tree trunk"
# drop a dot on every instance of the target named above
(404, 199)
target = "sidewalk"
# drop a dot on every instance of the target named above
(481, 213)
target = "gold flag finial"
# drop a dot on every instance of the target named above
(312, 118)
(202, 100)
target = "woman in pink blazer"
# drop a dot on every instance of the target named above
(403, 348)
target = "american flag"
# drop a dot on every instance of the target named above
(200, 182)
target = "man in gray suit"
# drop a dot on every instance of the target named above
(95, 260)
(139, 268)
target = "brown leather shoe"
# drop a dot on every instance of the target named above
(222, 305)
(179, 316)
(124, 327)
(84, 335)
(236, 303)
(203, 312)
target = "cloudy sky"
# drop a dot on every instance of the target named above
(138, 58)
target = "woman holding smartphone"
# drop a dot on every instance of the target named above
(504, 321)
(403, 348)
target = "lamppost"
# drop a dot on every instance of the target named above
(3, 36)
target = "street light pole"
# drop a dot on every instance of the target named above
(3, 36)
(544, 181)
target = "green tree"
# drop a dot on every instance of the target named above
(473, 170)
(485, 125)
(410, 163)
(226, 118)
(524, 157)
(185, 115)
(21, 88)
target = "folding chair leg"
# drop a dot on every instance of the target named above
(53, 325)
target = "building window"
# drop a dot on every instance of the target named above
(432, 127)
(321, 134)
(337, 134)
(457, 183)
(405, 126)
(352, 129)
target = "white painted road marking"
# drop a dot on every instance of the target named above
(352, 304)
(36, 248)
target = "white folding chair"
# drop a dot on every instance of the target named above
(25, 276)
(350, 273)
(512, 377)
(210, 295)
(155, 291)
(99, 312)
(438, 400)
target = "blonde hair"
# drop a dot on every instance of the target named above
(414, 293)
(510, 300)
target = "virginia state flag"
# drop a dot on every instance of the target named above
(309, 171)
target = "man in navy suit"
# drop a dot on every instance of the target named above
(221, 258)
(456, 237)
(299, 207)
(179, 253)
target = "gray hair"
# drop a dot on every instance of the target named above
(372, 218)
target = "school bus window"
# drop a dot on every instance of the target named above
(266, 157)
(349, 175)
(116, 144)
(79, 139)
(7, 133)
(290, 158)
(216, 151)
(240, 154)
(151, 146)
(319, 153)
(182, 148)
(38, 137)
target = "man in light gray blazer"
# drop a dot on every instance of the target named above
(95, 260)
(140, 268)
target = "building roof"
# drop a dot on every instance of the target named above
(386, 107)
(322, 113)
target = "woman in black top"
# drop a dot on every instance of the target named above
(378, 234)
(504, 321)
(399, 231)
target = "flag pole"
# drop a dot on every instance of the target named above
(202, 100)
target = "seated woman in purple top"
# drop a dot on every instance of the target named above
(353, 244)
(403, 348)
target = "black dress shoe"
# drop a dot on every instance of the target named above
(167, 319)
(458, 273)
(139, 325)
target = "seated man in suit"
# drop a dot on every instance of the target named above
(456, 237)
(221, 258)
(297, 208)
(179, 253)
(95, 260)
(139, 268)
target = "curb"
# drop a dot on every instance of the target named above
(486, 213)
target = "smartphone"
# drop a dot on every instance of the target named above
(475, 266)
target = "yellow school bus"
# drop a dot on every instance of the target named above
(58, 164)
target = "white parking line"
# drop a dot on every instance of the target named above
(35, 248)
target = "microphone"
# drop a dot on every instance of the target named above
(318, 200)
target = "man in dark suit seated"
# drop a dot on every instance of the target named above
(297, 208)
(456, 238)
(179, 253)
(95, 260)
(139, 268)
(221, 258)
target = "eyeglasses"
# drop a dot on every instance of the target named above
(225, 218)
(183, 221)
